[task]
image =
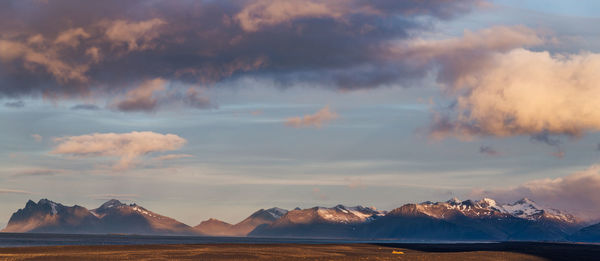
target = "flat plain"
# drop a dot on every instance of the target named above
(496, 251)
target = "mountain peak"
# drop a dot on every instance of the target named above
(454, 200)
(111, 204)
(524, 201)
(30, 204)
(276, 212)
(45, 201)
(488, 202)
(50, 203)
(528, 209)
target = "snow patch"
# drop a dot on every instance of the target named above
(277, 213)
(53, 205)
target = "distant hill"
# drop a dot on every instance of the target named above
(587, 234)
(216, 227)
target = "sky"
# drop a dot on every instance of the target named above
(215, 109)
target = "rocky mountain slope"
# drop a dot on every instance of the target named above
(452, 220)
(111, 217)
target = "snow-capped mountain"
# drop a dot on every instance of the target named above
(527, 209)
(339, 214)
(454, 220)
(450, 220)
(117, 217)
(486, 207)
(469, 208)
(47, 216)
(111, 217)
(276, 212)
(522, 220)
(338, 221)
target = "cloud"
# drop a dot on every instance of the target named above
(319, 195)
(69, 37)
(108, 47)
(87, 107)
(504, 90)
(488, 150)
(109, 196)
(150, 95)
(134, 35)
(141, 98)
(37, 137)
(264, 13)
(193, 98)
(174, 156)
(578, 193)
(128, 147)
(356, 183)
(545, 137)
(15, 104)
(13, 191)
(30, 59)
(38, 172)
(317, 120)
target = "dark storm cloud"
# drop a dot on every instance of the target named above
(82, 48)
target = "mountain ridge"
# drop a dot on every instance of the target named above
(454, 219)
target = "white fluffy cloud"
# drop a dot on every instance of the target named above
(527, 92)
(126, 146)
(503, 89)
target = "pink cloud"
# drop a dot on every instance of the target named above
(503, 90)
(135, 36)
(37, 137)
(174, 156)
(13, 191)
(48, 58)
(71, 37)
(126, 146)
(317, 120)
(38, 172)
(142, 98)
(263, 13)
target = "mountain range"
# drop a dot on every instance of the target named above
(453, 220)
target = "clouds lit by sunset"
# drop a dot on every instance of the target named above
(232, 106)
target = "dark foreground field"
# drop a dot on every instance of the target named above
(496, 251)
